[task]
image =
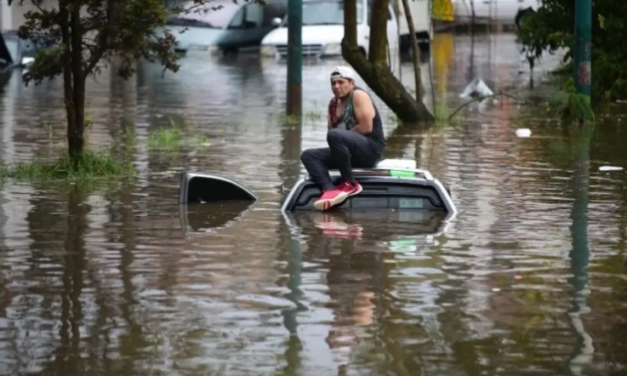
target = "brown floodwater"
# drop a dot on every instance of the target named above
(117, 278)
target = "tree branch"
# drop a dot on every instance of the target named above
(420, 92)
(104, 37)
(97, 52)
(479, 99)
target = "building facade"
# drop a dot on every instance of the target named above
(12, 17)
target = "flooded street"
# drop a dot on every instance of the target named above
(118, 279)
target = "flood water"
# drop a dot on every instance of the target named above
(118, 279)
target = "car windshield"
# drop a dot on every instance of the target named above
(328, 12)
(215, 15)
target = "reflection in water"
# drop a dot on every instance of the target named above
(360, 250)
(121, 280)
(443, 49)
(351, 282)
(206, 217)
(294, 271)
(373, 225)
(580, 254)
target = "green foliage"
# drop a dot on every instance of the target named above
(552, 27)
(74, 36)
(88, 31)
(570, 105)
(90, 166)
(174, 137)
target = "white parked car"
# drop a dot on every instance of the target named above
(323, 31)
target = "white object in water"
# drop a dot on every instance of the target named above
(476, 89)
(398, 164)
(610, 168)
(523, 132)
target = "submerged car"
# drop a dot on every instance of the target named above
(391, 185)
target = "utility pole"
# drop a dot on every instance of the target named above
(294, 59)
(582, 67)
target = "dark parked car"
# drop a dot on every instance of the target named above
(16, 53)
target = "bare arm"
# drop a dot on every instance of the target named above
(364, 112)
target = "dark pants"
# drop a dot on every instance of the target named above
(346, 150)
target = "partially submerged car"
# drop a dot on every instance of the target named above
(391, 185)
(15, 53)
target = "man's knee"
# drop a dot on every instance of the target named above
(335, 136)
(310, 155)
(306, 156)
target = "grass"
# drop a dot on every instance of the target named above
(106, 163)
(443, 115)
(173, 137)
(90, 166)
(93, 164)
(314, 116)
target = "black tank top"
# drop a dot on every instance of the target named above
(376, 136)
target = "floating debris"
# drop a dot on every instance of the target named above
(523, 132)
(477, 89)
(610, 168)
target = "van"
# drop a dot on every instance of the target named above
(421, 15)
(323, 31)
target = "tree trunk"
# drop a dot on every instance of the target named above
(73, 78)
(76, 128)
(375, 70)
(420, 92)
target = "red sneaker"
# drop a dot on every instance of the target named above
(330, 198)
(351, 189)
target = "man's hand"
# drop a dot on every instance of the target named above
(364, 112)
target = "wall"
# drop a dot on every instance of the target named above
(12, 17)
